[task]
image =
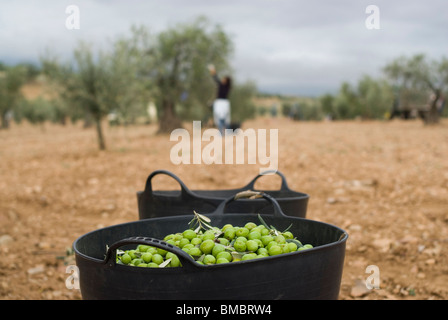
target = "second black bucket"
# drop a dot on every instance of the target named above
(163, 203)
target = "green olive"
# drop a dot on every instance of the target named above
(254, 235)
(292, 246)
(251, 245)
(195, 252)
(274, 250)
(249, 256)
(229, 234)
(240, 245)
(183, 242)
(217, 248)
(209, 259)
(126, 258)
(242, 232)
(157, 258)
(142, 248)
(266, 239)
(222, 260)
(224, 254)
(207, 246)
(189, 234)
(250, 225)
(147, 257)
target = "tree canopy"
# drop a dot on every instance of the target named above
(180, 57)
(417, 74)
(11, 81)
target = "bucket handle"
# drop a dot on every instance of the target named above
(249, 194)
(186, 260)
(184, 190)
(283, 187)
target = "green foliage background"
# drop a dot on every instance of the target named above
(169, 69)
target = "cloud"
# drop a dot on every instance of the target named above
(287, 46)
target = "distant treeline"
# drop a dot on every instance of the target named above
(369, 98)
(411, 87)
(169, 71)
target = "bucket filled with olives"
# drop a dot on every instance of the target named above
(161, 203)
(213, 256)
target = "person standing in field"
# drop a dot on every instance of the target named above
(221, 105)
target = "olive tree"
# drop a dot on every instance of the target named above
(11, 81)
(375, 97)
(369, 99)
(95, 85)
(80, 83)
(241, 101)
(179, 68)
(417, 74)
(128, 92)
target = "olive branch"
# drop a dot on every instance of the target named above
(202, 223)
(274, 231)
(199, 222)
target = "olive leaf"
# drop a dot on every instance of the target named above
(204, 218)
(248, 194)
(263, 222)
(199, 222)
(271, 228)
(69, 251)
(297, 242)
(287, 228)
(236, 255)
(165, 263)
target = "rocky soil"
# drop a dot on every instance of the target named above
(385, 183)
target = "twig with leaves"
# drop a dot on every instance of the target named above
(274, 231)
(200, 223)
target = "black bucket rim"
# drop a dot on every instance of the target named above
(342, 239)
(294, 195)
(219, 212)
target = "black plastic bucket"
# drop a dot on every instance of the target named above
(310, 274)
(154, 203)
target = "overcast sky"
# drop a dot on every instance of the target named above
(285, 46)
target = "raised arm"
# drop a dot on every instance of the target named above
(213, 73)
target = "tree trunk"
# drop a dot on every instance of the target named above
(432, 116)
(87, 120)
(169, 120)
(99, 131)
(4, 120)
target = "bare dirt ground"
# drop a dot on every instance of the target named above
(385, 183)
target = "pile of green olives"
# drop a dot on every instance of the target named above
(215, 246)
